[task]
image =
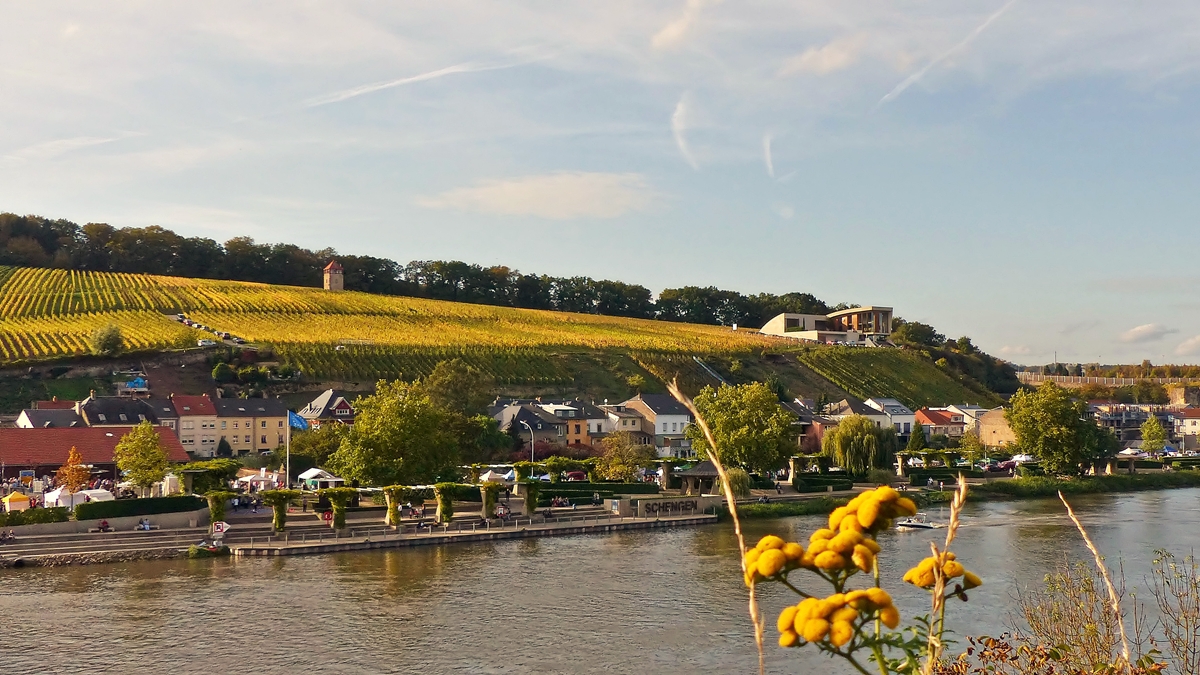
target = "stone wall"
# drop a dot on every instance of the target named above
(164, 521)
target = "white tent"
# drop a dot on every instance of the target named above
(61, 497)
(492, 477)
(262, 480)
(316, 473)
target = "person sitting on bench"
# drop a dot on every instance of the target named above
(104, 526)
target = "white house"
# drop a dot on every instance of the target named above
(900, 416)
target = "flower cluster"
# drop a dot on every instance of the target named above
(922, 575)
(771, 557)
(871, 511)
(835, 619)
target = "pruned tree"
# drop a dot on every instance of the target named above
(140, 456)
(73, 475)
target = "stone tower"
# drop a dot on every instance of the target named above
(333, 276)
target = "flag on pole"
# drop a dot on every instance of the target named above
(297, 422)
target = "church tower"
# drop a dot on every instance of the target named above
(333, 276)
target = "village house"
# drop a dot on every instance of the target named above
(197, 424)
(519, 419)
(252, 425)
(330, 406)
(994, 431)
(629, 421)
(900, 417)
(667, 419)
(32, 418)
(852, 406)
(1187, 428)
(585, 423)
(970, 413)
(941, 423)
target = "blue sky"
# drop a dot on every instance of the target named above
(1020, 172)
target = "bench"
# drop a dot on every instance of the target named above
(97, 529)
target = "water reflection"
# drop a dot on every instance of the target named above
(630, 602)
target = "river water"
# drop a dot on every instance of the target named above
(636, 602)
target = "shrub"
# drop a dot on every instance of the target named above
(444, 492)
(880, 476)
(200, 552)
(138, 507)
(107, 340)
(57, 514)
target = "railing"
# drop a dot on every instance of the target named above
(1034, 378)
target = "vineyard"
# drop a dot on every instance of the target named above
(891, 372)
(48, 313)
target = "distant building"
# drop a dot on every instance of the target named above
(527, 420)
(852, 406)
(585, 423)
(197, 424)
(334, 277)
(628, 421)
(1187, 428)
(857, 326)
(33, 418)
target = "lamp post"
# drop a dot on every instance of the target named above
(530, 439)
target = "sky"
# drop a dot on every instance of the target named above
(1021, 172)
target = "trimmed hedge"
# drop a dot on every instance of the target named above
(56, 514)
(138, 507)
(805, 486)
(618, 488)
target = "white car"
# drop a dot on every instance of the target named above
(206, 343)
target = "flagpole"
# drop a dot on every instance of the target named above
(287, 471)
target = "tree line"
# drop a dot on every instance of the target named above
(34, 241)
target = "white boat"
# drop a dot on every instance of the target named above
(918, 522)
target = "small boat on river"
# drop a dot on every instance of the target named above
(918, 522)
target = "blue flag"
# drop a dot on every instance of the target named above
(297, 422)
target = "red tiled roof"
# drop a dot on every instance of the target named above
(333, 265)
(53, 405)
(1189, 413)
(193, 405)
(936, 418)
(49, 447)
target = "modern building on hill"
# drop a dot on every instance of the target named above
(251, 425)
(667, 419)
(330, 406)
(43, 451)
(334, 277)
(857, 326)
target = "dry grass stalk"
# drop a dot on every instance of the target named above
(938, 617)
(731, 501)
(1113, 597)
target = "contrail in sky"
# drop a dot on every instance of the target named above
(767, 155)
(915, 77)
(339, 96)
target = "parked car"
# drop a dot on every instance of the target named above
(206, 343)
(578, 476)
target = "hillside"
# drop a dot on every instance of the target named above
(352, 337)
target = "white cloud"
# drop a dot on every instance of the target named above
(556, 196)
(1016, 350)
(837, 55)
(674, 32)
(51, 149)
(785, 211)
(1150, 332)
(680, 119)
(339, 96)
(1189, 347)
(767, 154)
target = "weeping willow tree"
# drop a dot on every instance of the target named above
(858, 446)
(739, 483)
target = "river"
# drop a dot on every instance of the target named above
(634, 602)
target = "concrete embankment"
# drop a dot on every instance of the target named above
(433, 537)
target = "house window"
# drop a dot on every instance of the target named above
(223, 423)
(247, 439)
(101, 416)
(264, 440)
(576, 428)
(235, 425)
(188, 424)
(280, 424)
(123, 417)
(263, 424)
(280, 441)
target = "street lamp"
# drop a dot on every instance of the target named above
(530, 439)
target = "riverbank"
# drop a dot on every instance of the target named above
(1035, 487)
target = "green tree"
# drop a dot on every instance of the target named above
(223, 373)
(916, 333)
(399, 437)
(739, 482)
(555, 466)
(1053, 426)
(751, 429)
(858, 446)
(444, 494)
(916, 442)
(777, 386)
(216, 504)
(636, 382)
(318, 443)
(479, 438)
(971, 447)
(107, 341)
(1154, 436)
(621, 457)
(459, 388)
(140, 456)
